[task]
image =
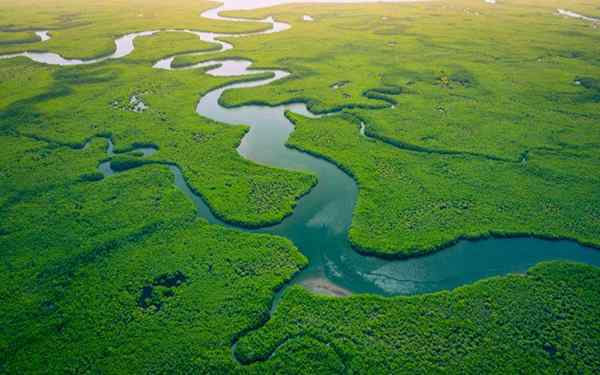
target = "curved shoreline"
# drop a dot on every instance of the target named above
(320, 220)
(311, 206)
(300, 159)
(210, 106)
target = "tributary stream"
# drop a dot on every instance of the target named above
(320, 222)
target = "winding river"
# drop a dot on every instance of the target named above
(319, 225)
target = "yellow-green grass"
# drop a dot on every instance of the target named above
(88, 28)
(469, 83)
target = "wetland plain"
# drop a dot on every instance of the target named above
(239, 187)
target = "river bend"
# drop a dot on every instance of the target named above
(320, 222)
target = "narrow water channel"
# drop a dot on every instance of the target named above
(319, 225)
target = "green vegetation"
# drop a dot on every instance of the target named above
(501, 94)
(412, 202)
(79, 250)
(87, 101)
(178, 43)
(78, 255)
(535, 323)
(18, 38)
(86, 29)
(480, 129)
(500, 120)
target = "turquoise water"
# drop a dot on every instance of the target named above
(319, 225)
(320, 222)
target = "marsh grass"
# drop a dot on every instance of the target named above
(490, 135)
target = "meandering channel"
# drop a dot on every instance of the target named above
(319, 225)
(320, 222)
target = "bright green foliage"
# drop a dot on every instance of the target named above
(470, 84)
(505, 119)
(24, 161)
(494, 131)
(415, 202)
(541, 322)
(88, 101)
(77, 256)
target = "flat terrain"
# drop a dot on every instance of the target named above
(477, 120)
(489, 117)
